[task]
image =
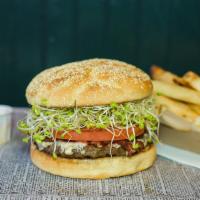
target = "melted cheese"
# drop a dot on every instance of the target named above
(65, 147)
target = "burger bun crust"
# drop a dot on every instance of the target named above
(88, 83)
(100, 168)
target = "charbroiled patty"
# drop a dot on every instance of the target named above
(81, 150)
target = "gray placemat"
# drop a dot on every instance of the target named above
(19, 179)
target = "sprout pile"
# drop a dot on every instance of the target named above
(42, 122)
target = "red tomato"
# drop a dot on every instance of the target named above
(98, 134)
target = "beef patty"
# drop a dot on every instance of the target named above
(81, 150)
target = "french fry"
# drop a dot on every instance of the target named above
(160, 74)
(174, 91)
(195, 108)
(192, 79)
(177, 115)
(177, 92)
(180, 109)
(172, 120)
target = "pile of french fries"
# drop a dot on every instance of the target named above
(177, 98)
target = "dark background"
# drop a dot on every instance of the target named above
(35, 34)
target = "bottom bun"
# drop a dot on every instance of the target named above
(99, 168)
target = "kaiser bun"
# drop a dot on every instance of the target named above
(89, 82)
(99, 168)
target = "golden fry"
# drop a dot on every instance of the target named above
(192, 79)
(160, 74)
(195, 108)
(180, 109)
(177, 92)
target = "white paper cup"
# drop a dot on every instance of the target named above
(5, 123)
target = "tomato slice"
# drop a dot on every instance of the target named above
(98, 134)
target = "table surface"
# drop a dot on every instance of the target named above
(19, 179)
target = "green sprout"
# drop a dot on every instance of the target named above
(136, 146)
(26, 139)
(54, 155)
(42, 122)
(132, 137)
(44, 101)
(159, 94)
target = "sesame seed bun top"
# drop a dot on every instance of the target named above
(88, 82)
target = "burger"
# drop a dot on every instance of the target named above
(91, 119)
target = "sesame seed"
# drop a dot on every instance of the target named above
(104, 73)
